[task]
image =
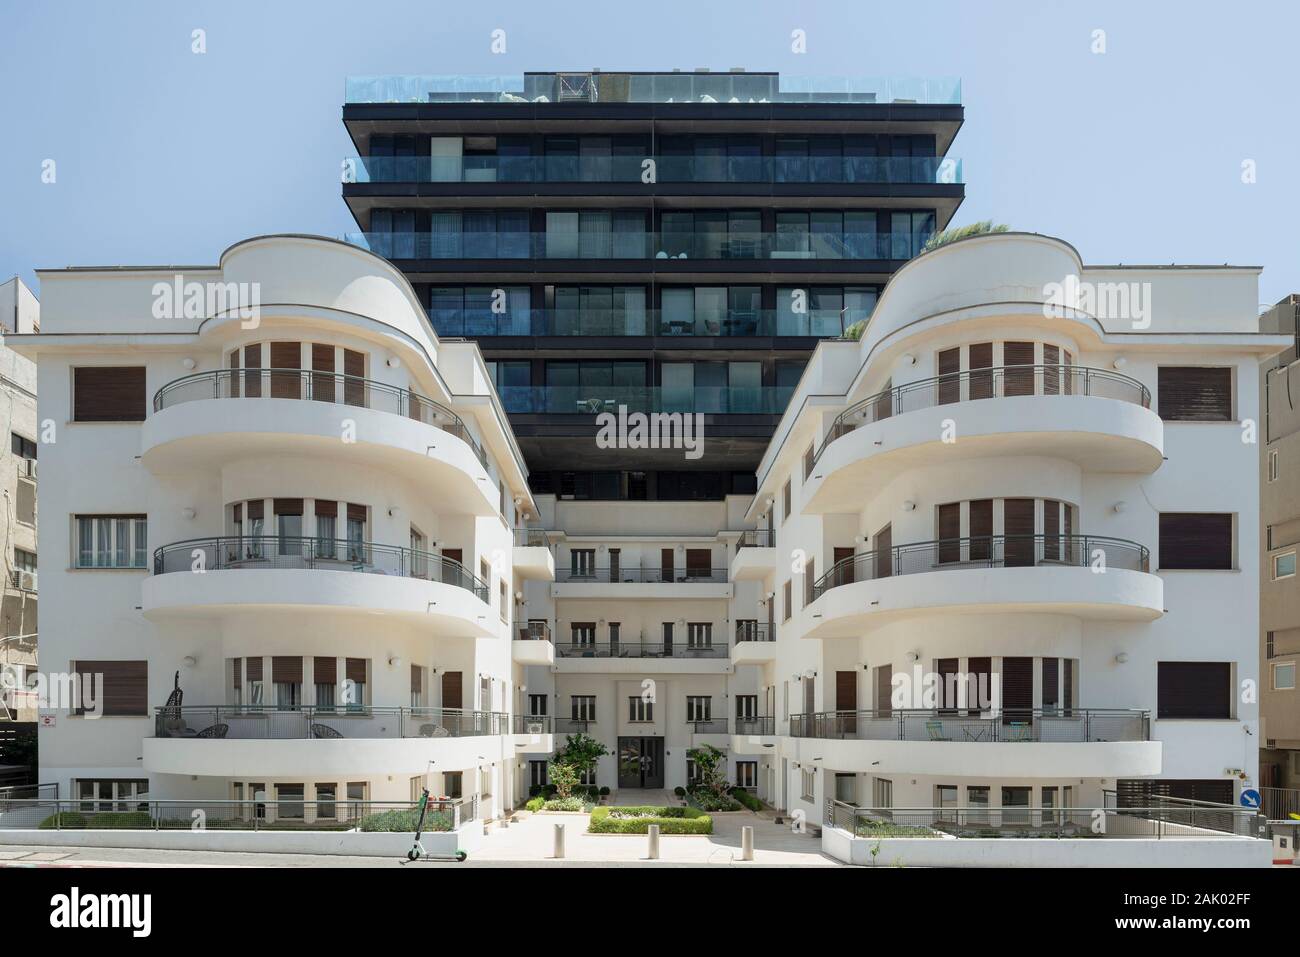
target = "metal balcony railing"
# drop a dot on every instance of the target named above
(757, 724)
(533, 724)
(1042, 725)
(535, 631)
(986, 551)
(754, 631)
(254, 552)
(531, 538)
(707, 725)
(632, 575)
(574, 725)
(756, 538)
(318, 387)
(995, 382)
(253, 722)
(640, 649)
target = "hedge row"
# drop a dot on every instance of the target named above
(671, 820)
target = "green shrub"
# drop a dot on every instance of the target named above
(534, 790)
(888, 829)
(535, 803)
(390, 821)
(566, 804)
(962, 232)
(112, 820)
(604, 792)
(708, 801)
(747, 799)
(63, 819)
(637, 820)
(680, 792)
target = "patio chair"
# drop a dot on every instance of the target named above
(324, 731)
(214, 731)
(935, 730)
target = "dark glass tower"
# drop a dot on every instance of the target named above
(672, 242)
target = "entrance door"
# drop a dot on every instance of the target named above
(665, 564)
(451, 696)
(843, 573)
(640, 762)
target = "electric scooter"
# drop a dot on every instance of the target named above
(417, 851)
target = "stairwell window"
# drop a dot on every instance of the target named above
(1284, 676)
(1284, 566)
(111, 541)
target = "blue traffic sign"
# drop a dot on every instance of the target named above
(1250, 798)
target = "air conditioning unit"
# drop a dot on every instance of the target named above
(26, 581)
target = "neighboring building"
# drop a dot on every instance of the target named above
(669, 241)
(19, 315)
(320, 556)
(1054, 504)
(1280, 535)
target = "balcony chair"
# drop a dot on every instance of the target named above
(935, 730)
(214, 731)
(324, 731)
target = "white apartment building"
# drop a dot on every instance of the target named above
(300, 514)
(1045, 515)
(1003, 551)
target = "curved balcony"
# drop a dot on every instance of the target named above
(1030, 742)
(1085, 575)
(226, 740)
(204, 576)
(1099, 419)
(211, 419)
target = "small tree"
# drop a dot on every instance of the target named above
(961, 232)
(581, 752)
(710, 767)
(564, 777)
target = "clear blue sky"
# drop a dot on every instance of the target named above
(164, 156)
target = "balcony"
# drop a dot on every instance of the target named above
(754, 734)
(676, 169)
(715, 726)
(594, 400)
(639, 649)
(225, 740)
(633, 582)
(641, 244)
(210, 419)
(532, 644)
(478, 323)
(755, 556)
(724, 90)
(1089, 576)
(1099, 419)
(755, 643)
(532, 554)
(203, 576)
(534, 734)
(1030, 742)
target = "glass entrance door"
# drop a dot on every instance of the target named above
(640, 762)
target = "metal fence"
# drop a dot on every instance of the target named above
(758, 724)
(640, 649)
(1280, 804)
(1065, 725)
(641, 575)
(1022, 821)
(236, 815)
(236, 722)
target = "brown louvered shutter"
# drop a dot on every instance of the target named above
(950, 532)
(948, 670)
(1018, 381)
(417, 679)
(356, 513)
(108, 394)
(125, 688)
(325, 671)
(980, 383)
(809, 581)
(236, 673)
(288, 506)
(1051, 683)
(1051, 372)
(254, 669)
(885, 690)
(1194, 689)
(977, 697)
(323, 380)
(1067, 683)
(1051, 530)
(234, 376)
(354, 670)
(1017, 689)
(326, 509)
(981, 529)
(949, 387)
(846, 691)
(1018, 524)
(253, 375)
(286, 668)
(354, 387)
(1195, 540)
(884, 544)
(451, 697)
(885, 402)
(285, 356)
(1194, 393)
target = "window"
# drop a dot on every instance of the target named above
(1284, 565)
(112, 794)
(807, 784)
(692, 772)
(505, 600)
(1015, 805)
(358, 792)
(699, 635)
(747, 775)
(746, 706)
(582, 633)
(108, 394)
(699, 707)
(582, 562)
(452, 784)
(882, 793)
(846, 788)
(786, 593)
(582, 707)
(325, 677)
(417, 686)
(977, 805)
(785, 501)
(1194, 394)
(639, 710)
(111, 541)
(290, 798)
(537, 704)
(536, 774)
(1272, 465)
(1194, 689)
(1195, 540)
(22, 447)
(24, 560)
(1284, 676)
(119, 688)
(327, 801)
(807, 462)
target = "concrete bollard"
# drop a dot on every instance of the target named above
(747, 843)
(559, 842)
(653, 834)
